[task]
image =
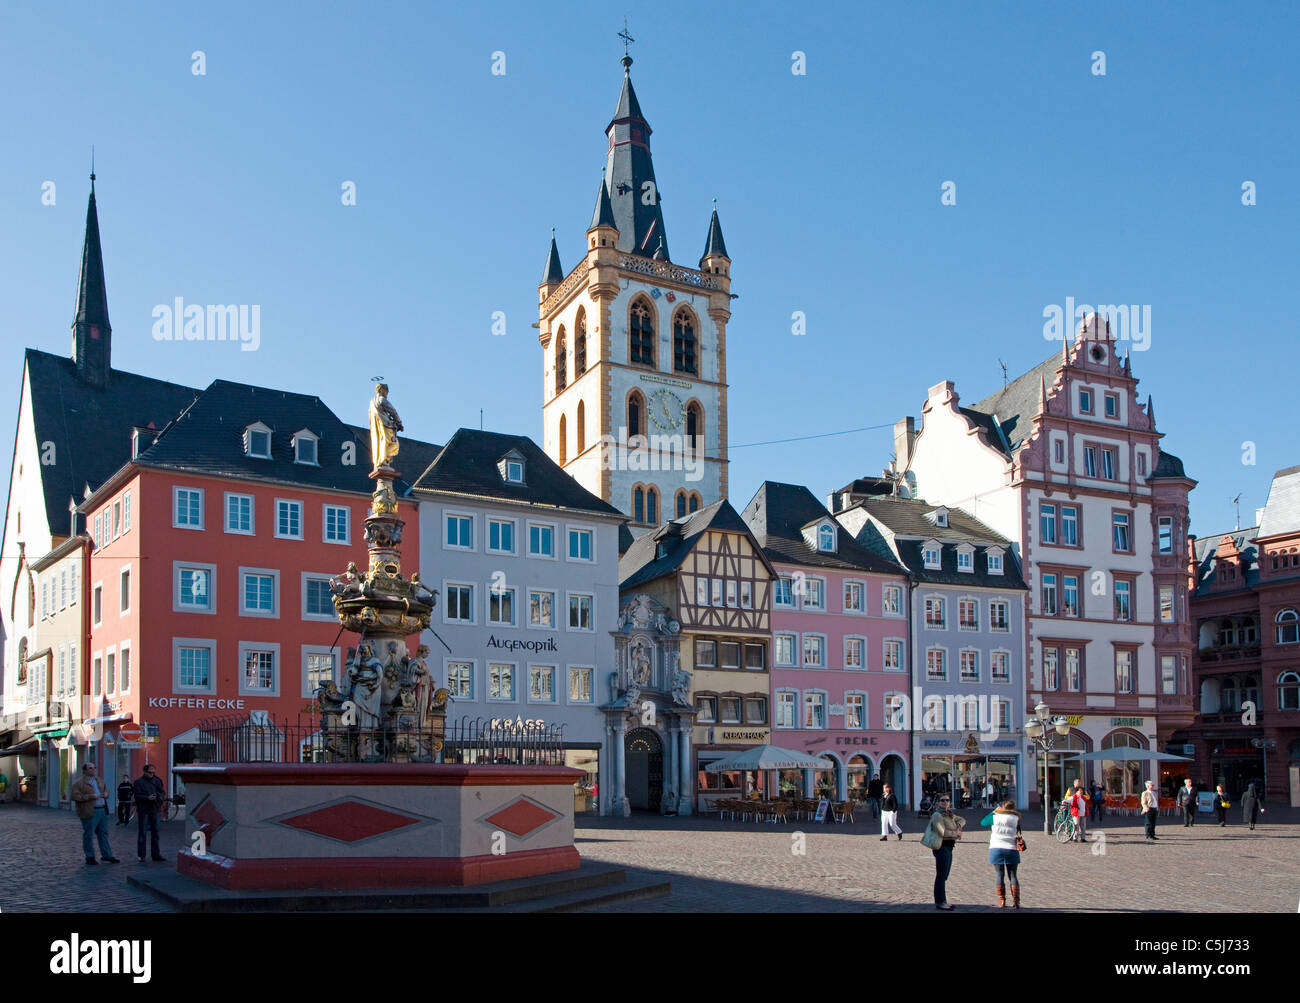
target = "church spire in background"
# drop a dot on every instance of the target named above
(91, 331)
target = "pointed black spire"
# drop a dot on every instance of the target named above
(604, 214)
(633, 192)
(552, 272)
(90, 327)
(714, 244)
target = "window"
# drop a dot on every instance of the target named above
(96, 674)
(110, 680)
(288, 519)
(337, 529)
(1288, 627)
(188, 508)
(1047, 522)
(968, 614)
(304, 449)
(1090, 461)
(460, 532)
(895, 712)
(853, 708)
(966, 560)
(460, 679)
(1112, 405)
(1073, 675)
(931, 555)
(936, 616)
(258, 669)
(970, 666)
(501, 607)
(515, 471)
(1123, 671)
(257, 441)
(1109, 464)
(96, 603)
(1000, 666)
(194, 588)
(706, 710)
(1142, 464)
(501, 536)
(684, 348)
(679, 504)
(854, 597)
(258, 592)
(1058, 451)
(564, 440)
(783, 592)
(705, 654)
(541, 608)
(715, 591)
(785, 709)
(580, 617)
(1122, 541)
(1070, 595)
(1049, 595)
(969, 713)
(541, 541)
(1168, 674)
(1165, 534)
(701, 592)
(1004, 714)
(936, 664)
(814, 651)
(541, 683)
(635, 409)
(99, 531)
(1123, 600)
(580, 684)
(998, 615)
(731, 594)
(124, 590)
(891, 600)
(746, 595)
(893, 656)
(641, 350)
(814, 594)
(193, 667)
(317, 600)
(1069, 526)
(756, 710)
(561, 361)
(117, 519)
(580, 548)
(63, 588)
(652, 505)
(785, 649)
(317, 669)
(855, 653)
(501, 681)
(814, 710)
(239, 514)
(460, 603)
(755, 657)
(1085, 401)
(1288, 691)
(1051, 677)
(730, 708)
(826, 538)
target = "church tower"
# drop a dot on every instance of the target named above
(634, 346)
(91, 332)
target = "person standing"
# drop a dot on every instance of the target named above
(92, 809)
(1098, 797)
(1079, 811)
(989, 792)
(1187, 802)
(1252, 804)
(148, 797)
(1004, 849)
(125, 792)
(944, 830)
(875, 791)
(1221, 804)
(1150, 807)
(889, 814)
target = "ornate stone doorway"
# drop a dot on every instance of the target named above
(645, 769)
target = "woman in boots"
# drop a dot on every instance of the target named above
(941, 836)
(1004, 852)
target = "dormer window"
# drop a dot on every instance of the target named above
(995, 562)
(931, 553)
(826, 538)
(940, 517)
(511, 467)
(304, 448)
(966, 558)
(257, 441)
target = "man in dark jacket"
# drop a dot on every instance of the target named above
(149, 796)
(1187, 802)
(125, 792)
(1098, 799)
(1252, 803)
(874, 792)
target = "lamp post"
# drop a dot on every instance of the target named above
(1042, 729)
(1263, 745)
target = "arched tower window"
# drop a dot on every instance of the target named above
(564, 441)
(582, 428)
(1288, 691)
(685, 355)
(561, 362)
(580, 344)
(652, 505)
(681, 504)
(695, 501)
(695, 428)
(1288, 627)
(638, 504)
(635, 413)
(641, 332)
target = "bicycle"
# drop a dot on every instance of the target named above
(1063, 826)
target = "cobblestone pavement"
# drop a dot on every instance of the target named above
(747, 867)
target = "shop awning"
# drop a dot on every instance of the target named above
(27, 748)
(1123, 754)
(767, 757)
(56, 732)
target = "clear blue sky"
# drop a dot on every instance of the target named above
(225, 188)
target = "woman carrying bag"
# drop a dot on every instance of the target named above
(1252, 803)
(1005, 845)
(941, 835)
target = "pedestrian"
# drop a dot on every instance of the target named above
(1150, 807)
(889, 814)
(874, 791)
(92, 809)
(148, 797)
(1004, 849)
(989, 792)
(125, 792)
(1098, 798)
(941, 836)
(1252, 806)
(1221, 804)
(1079, 811)
(1187, 802)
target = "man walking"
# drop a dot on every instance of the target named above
(1149, 807)
(1098, 797)
(1187, 802)
(148, 798)
(125, 792)
(889, 814)
(874, 792)
(92, 809)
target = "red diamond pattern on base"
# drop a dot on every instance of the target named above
(209, 817)
(349, 821)
(521, 817)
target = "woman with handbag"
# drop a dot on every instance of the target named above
(941, 835)
(1005, 844)
(1221, 804)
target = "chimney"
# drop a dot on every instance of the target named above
(1259, 516)
(904, 436)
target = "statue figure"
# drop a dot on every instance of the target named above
(640, 611)
(640, 663)
(348, 584)
(681, 687)
(384, 426)
(364, 691)
(420, 592)
(329, 697)
(421, 685)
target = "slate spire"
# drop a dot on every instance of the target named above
(714, 244)
(604, 214)
(633, 192)
(552, 272)
(91, 330)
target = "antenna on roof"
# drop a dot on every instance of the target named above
(1238, 507)
(1004, 373)
(480, 419)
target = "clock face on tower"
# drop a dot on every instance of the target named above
(666, 410)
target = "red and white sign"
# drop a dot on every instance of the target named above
(130, 733)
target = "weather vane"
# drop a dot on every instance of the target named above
(627, 39)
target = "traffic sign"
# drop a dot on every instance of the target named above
(130, 733)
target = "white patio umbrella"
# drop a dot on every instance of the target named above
(766, 757)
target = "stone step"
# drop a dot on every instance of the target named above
(578, 901)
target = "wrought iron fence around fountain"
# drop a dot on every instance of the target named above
(264, 738)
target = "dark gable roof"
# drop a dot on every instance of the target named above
(90, 427)
(777, 515)
(467, 465)
(1168, 466)
(1015, 405)
(1206, 549)
(641, 562)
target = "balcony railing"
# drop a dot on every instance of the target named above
(1229, 653)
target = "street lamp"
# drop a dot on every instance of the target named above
(1042, 729)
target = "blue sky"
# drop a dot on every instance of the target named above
(1123, 188)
